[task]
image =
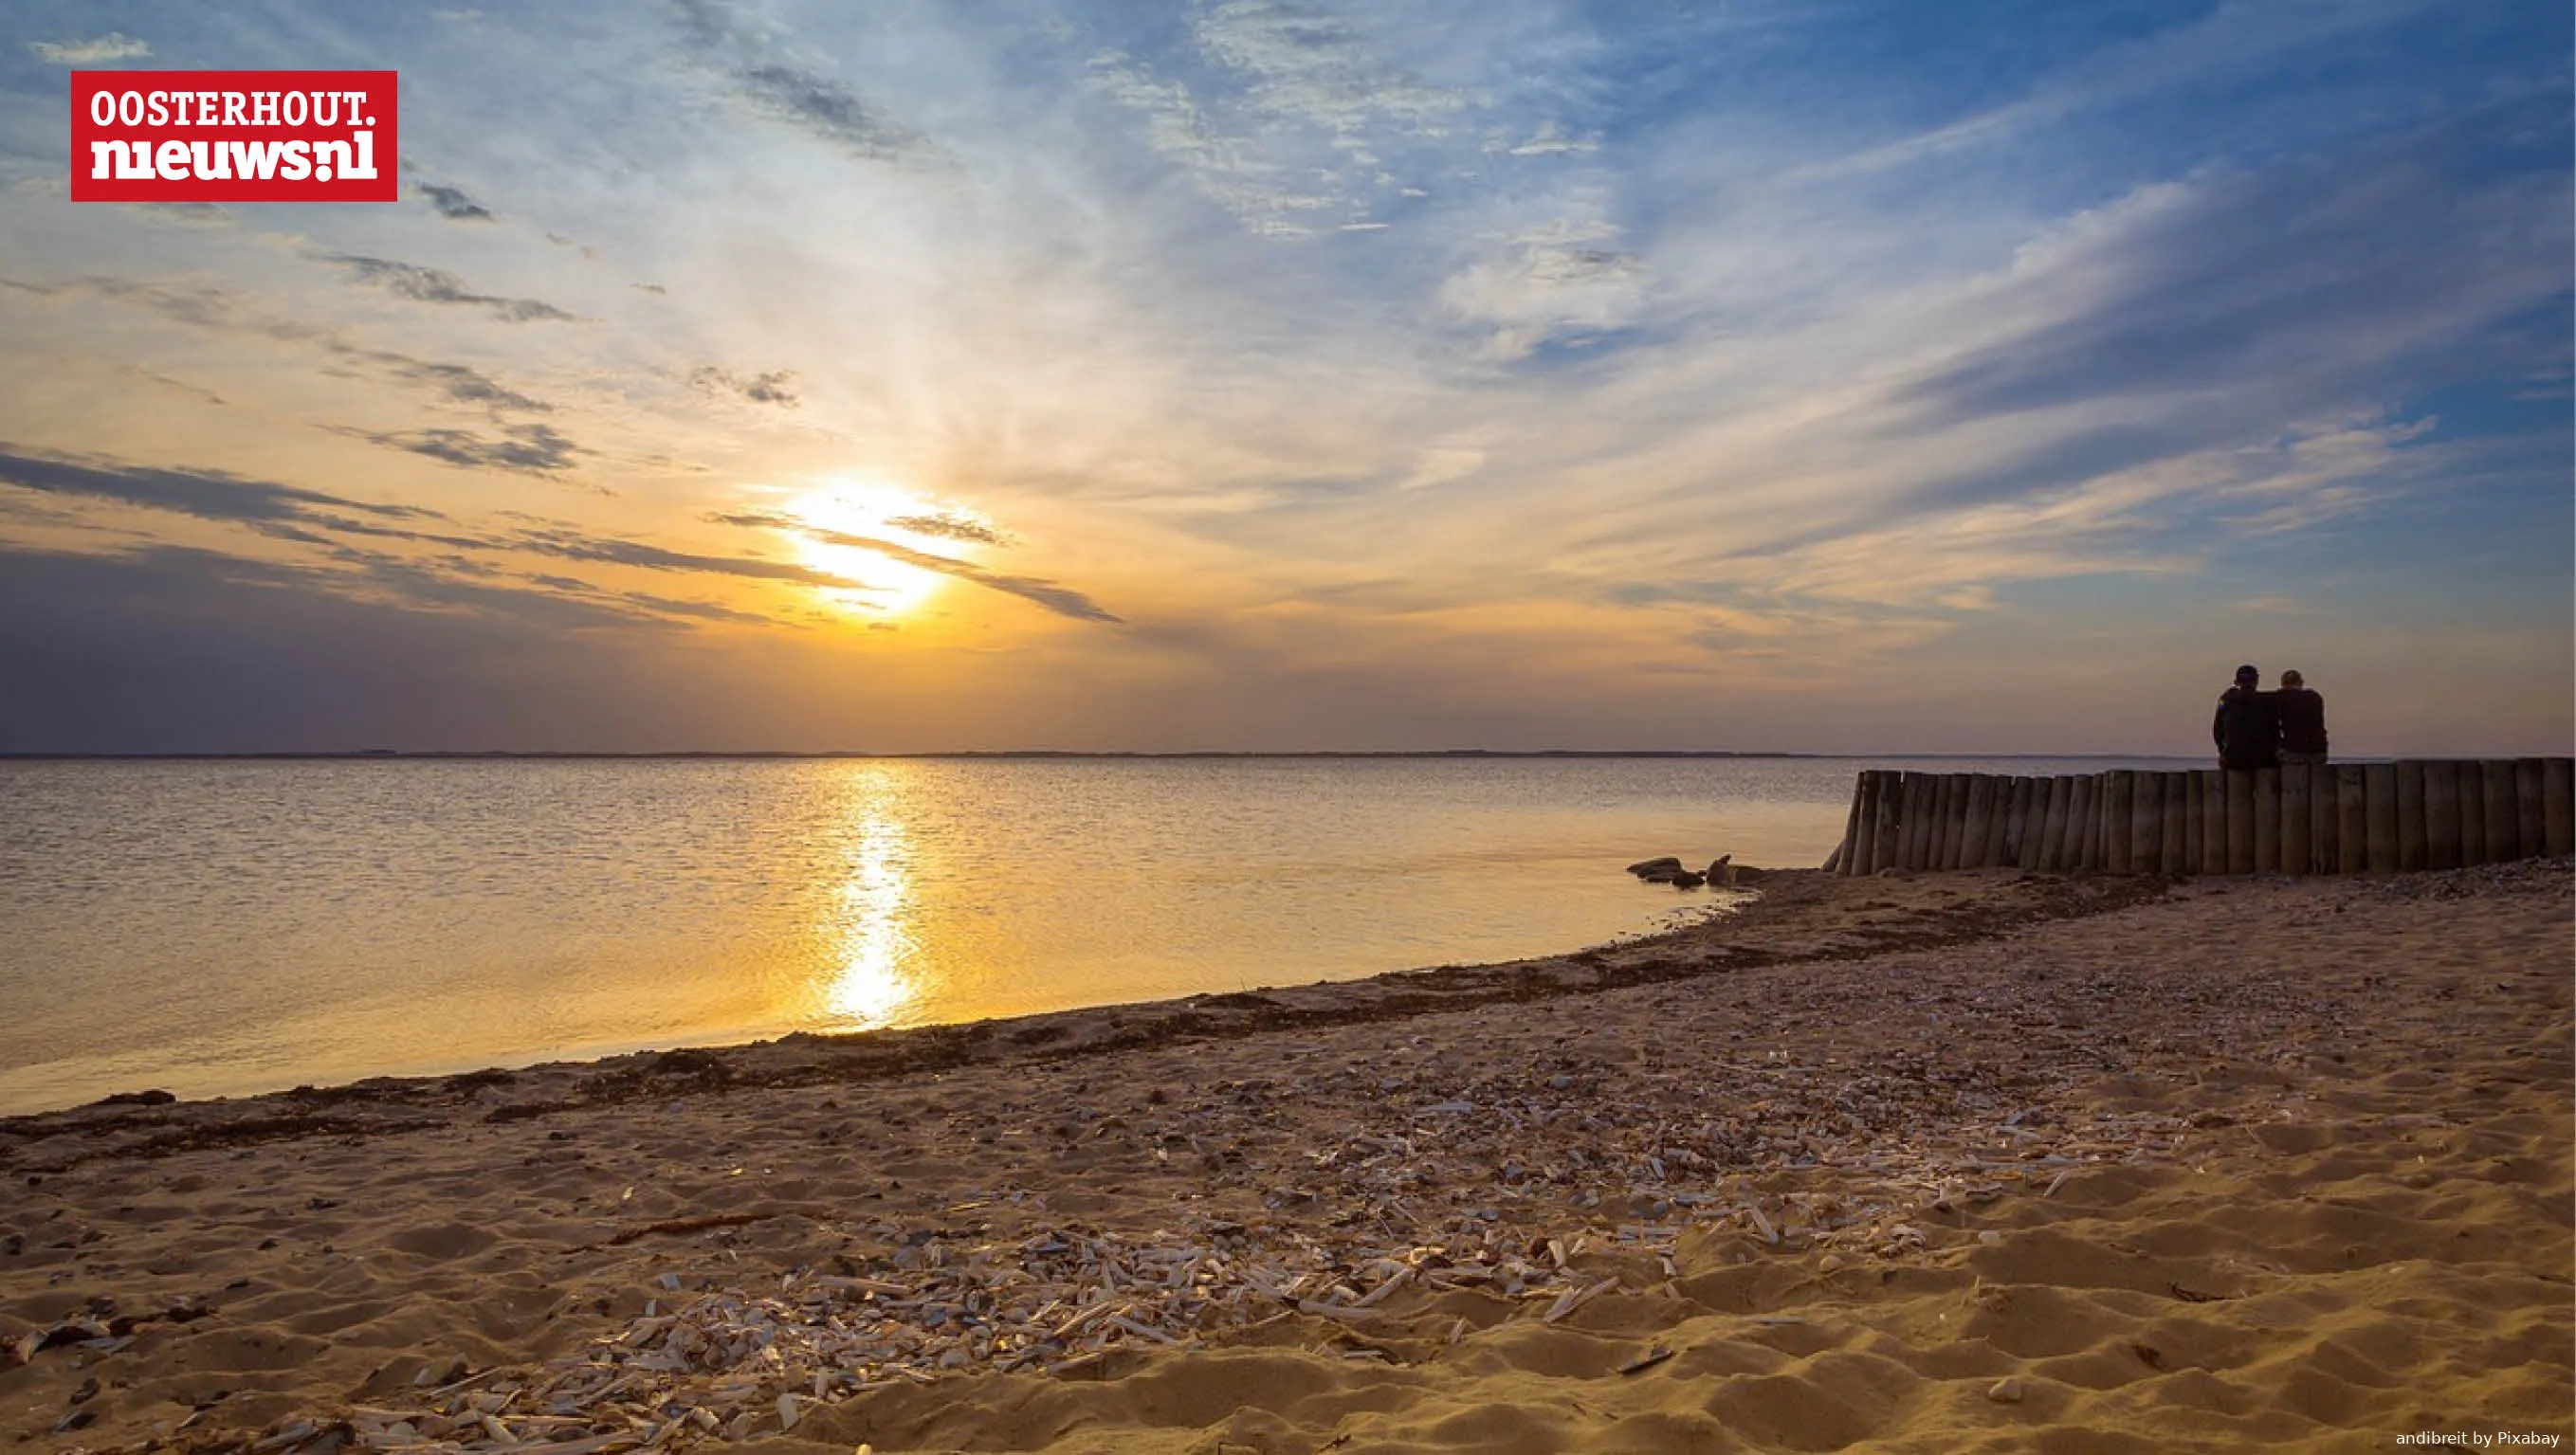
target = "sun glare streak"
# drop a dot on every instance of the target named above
(887, 512)
(874, 950)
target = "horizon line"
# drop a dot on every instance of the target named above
(776, 754)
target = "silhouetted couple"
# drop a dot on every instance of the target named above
(2258, 729)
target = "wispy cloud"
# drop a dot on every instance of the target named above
(452, 203)
(775, 387)
(433, 285)
(524, 449)
(98, 51)
(799, 96)
(576, 546)
(207, 494)
(1062, 600)
(950, 527)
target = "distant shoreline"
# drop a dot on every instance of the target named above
(758, 755)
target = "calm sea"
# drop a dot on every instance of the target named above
(216, 928)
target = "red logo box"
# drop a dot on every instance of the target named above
(235, 136)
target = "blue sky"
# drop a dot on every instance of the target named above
(1255, 375)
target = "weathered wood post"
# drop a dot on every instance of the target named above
(2267, 820)
(2017, 835)
(2530, 828)
(2558, 806)
(2146, 823)
(1840, 861)
(1998, 851)
(2213, 830)
(1945, 798)
(2195, 826)
(2441, 813)
(2352, 820)
(2504, 825)
(2116, 806)
(2322, 826)
(2081, 817)
(2176, 793)
(1928, 855)
(2061, 797)
(1888, 850)
(2411, 848)
(2294, 818)
(2379, 788)
(1856, 834)
(2473, 812)
(1980, 817)
(2101, 838)
(1883, 811)
(1954, 852)
(2097, 823)
(1909, 825)
(2240, 821)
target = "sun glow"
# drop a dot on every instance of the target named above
(837, 517)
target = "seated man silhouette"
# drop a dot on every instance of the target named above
(2247, 729)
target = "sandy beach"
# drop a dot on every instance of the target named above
(1981, 1161)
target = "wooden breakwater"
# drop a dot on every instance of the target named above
(2338, 818)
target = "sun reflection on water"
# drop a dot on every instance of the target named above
(873, 982)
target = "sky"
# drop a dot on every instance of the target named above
(1240, 375)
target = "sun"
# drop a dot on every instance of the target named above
(835, 517)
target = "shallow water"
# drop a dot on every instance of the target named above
(223, 927)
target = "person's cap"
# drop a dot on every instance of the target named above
(2248, 674)
(2292, 678)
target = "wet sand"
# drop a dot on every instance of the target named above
(1958, 1162)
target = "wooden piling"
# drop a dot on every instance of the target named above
(2213, 822)
(2504, 825)
(2118, 797)
(2017, 822)
(1840, 861)
(1921, 848)
(2473, 813)
(2061, 795)
(2103, 823)
(2411, 848)
(2322, 820)
(2175, 790)
(2146, 823)
(2379, 788)
(2195, 823)
(2295, 810)
(2558, 806)
(1927, 829)
(2097, 826)
(1916, 822)
(1891, 824)
(2240, 821)
(2080, 821)
(2441, 813)
(1945, 794)
(1998, 854)
(1981, 817)
(2352, 820)
(2267, 820)
(1856, 834)
(1887, 848)
(1954, 848)
(2530, 827)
